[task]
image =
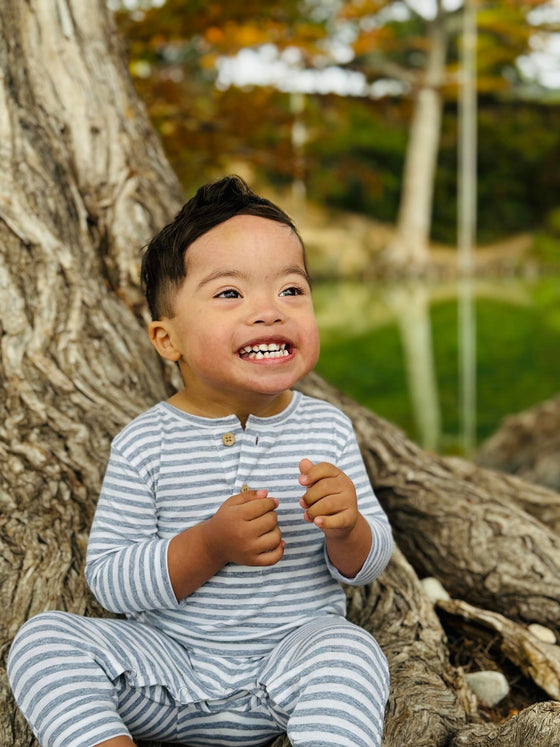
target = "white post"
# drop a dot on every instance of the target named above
(467, 193)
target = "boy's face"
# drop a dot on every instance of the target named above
(245, 290)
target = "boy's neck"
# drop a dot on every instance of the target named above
(261, 407)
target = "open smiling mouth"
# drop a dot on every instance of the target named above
(265, 351)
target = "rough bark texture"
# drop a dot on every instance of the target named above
(536, 725)
(527, 445)
(82, 186)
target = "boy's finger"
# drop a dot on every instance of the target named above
(258, 507)
(246, 496)
(326, 506)
(252, 495)
(319, 490)
(271, 557)
(317, 472)
(305, 465)
(332, 522)
(263, 525)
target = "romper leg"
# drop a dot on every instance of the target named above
(59, 668)
(331, 680)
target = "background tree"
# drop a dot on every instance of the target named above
(378, 151)
(174, 51)
(418, 52)
(84, 184)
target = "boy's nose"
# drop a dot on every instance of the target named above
(267, 318)
(267, 312)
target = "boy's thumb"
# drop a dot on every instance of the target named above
(305, 465)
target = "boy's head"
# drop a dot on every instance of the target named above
(231, 303)
(164, 263)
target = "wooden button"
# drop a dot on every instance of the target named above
(228, 439)
(245, 488)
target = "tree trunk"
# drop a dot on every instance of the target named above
(527, 445)
(409, 247)
(83, 184)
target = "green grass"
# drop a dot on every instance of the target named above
(370, 368)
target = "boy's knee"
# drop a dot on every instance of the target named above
(359, 639)
(346, 636)
(347, 650)
(36, 635)
(364, 645)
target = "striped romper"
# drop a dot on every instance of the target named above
(254, 652)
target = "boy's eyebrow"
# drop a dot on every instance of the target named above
(218, 274)
(238, 275)
(294, 270)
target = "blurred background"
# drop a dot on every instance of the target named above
(417, 145)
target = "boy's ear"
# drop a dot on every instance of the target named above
(161, 338)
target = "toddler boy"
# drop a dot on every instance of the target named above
(227, 518)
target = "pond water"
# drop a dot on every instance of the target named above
(445, 362)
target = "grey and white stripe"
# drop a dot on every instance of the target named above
(254, 650)
(169, 471)
(80, 681)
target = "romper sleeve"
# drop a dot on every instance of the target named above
(126, 563)
(351, 462)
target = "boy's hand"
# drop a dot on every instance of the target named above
(244, 530)
(330, 501)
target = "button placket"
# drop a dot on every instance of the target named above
(248, 459)
(227, 442)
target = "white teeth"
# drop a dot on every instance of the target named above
(264, 350)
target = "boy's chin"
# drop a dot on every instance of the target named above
(278, 383)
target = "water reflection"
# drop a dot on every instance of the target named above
(467, 364)
(355, 311)
(411, 308)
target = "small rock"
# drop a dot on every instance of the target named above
(489, 687)
(543, 634)
(433, 589)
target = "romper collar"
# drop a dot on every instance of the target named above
(232, 420)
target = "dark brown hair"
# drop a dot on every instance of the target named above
(163, 265)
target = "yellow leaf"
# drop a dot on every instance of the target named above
(214, 35)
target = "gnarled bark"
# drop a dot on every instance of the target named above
(83, 184)
(536, 725)
(527, 445)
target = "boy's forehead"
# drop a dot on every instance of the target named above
(245, 237)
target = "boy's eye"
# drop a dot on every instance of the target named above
(293, 290)
(229, 293)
